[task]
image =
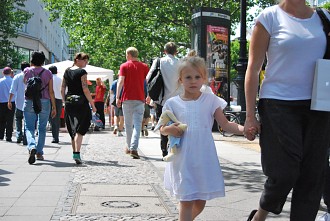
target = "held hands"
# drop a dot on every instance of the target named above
(251, 128)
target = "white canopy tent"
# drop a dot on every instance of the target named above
(93, 72)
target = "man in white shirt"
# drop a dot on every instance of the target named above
(169, 68)
(17, 89)
(55, 122)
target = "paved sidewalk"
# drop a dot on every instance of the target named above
(112, 186)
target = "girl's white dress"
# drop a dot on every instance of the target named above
(195, 172)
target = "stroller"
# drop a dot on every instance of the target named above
(96, 122)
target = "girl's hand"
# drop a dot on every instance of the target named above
(251, 128)
(172, 130)
(94, 109)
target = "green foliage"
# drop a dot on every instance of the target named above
(234, 56)
(105, 28)
(12, 18)
(327, 6)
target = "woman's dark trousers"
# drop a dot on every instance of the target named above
(294, 141)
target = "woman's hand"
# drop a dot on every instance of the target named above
(251, 128)
(93, 109)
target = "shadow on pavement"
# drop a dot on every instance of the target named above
(151, 158)
(53, 163)
(237, 176)
(3, 180)
(107, 163)
(147, 137)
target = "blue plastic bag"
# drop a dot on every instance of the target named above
(96, 120)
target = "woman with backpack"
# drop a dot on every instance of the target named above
(39, 100)
(77, 99)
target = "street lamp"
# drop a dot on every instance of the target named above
(242, 62)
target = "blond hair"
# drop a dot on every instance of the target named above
(195, 62)
(192, 52)
(132, 51)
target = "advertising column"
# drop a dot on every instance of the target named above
(211, 40)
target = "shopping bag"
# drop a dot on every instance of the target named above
(321, 86)
(96, 120)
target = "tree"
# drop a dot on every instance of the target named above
(107, 27)
(327, 6)
(12, 17)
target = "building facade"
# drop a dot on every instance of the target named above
(318, 2)
(322, 2)
(42, 35)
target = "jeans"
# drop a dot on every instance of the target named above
(30, 118)
(133, 114)
(6, 120)
(55, 122)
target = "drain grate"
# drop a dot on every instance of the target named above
(121, 199)
(120, 204)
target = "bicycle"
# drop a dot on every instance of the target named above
(234, 116)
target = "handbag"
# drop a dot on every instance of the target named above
(321, 84)
(75, 99)
(155, 86)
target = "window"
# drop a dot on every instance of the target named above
(24, 28)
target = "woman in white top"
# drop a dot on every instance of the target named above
(293, 138)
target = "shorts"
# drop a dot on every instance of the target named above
(118, 111)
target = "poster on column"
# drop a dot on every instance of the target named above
(217, 40)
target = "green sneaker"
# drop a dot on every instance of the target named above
(76, 157)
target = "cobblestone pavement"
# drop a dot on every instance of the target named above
(106, 163)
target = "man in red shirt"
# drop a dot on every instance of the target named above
(131, 78)
(99, 99)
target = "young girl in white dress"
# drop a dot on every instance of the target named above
(194, 175)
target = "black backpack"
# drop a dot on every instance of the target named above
(156, 84)
(33, 91)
